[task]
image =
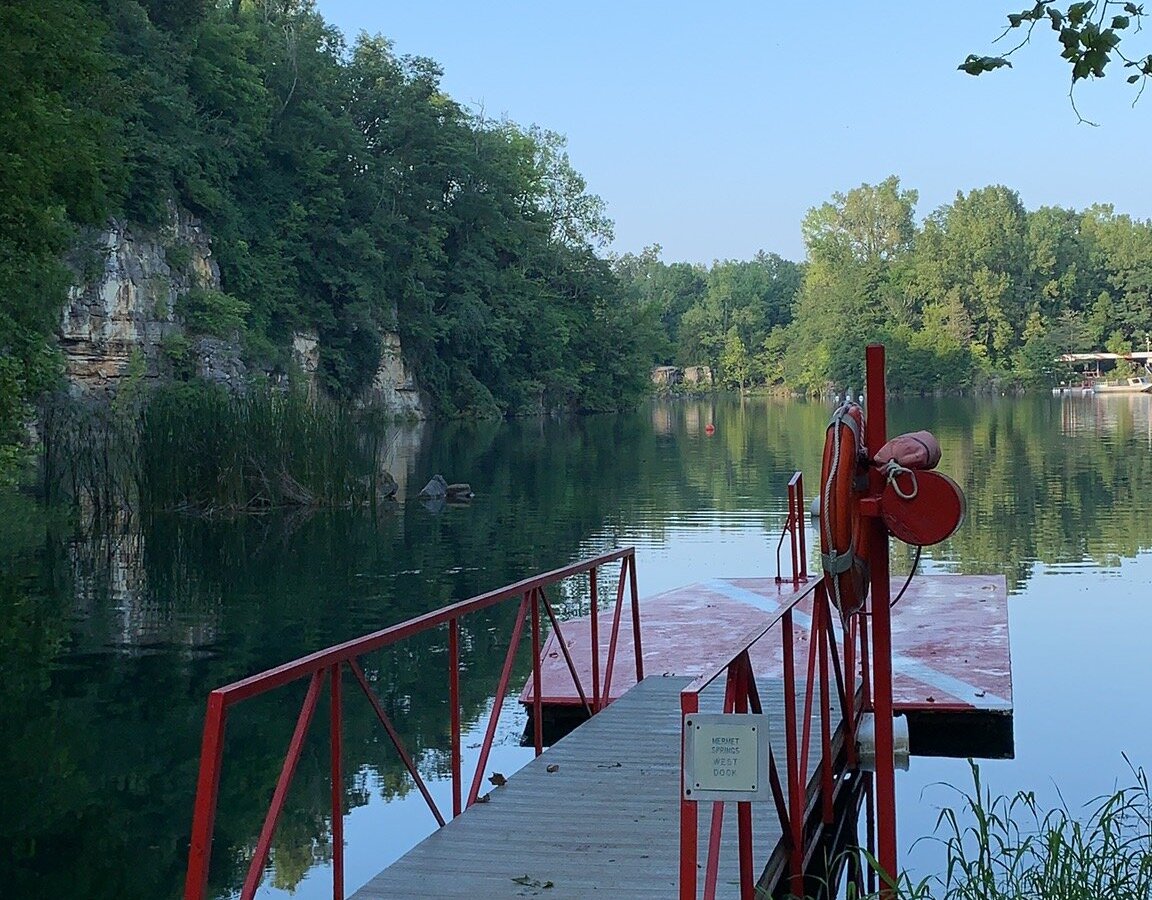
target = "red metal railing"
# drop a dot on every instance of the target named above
(329, 664)
(790, 793)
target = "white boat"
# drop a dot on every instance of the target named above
(1137, 384)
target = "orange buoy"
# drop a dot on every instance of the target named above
(843, 538)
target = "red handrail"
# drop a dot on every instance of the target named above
(742, 696)
(329, 664)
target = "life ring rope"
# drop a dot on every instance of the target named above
(840, 530)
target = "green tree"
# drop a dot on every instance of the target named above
(59, 170)
(735, 363)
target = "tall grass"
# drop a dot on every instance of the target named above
(201, 449)
(1010, 848)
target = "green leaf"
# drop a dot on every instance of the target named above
(1070, 38)
(1132, 79)
(977, 65)
(1119, 22)
(1077, 12)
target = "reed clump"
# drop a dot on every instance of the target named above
(204, 450)
(1010, 848)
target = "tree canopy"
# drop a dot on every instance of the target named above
(983, 294)
(345, 191)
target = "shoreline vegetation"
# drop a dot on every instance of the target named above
(477, 242)
(1011, 848)
(205, 451)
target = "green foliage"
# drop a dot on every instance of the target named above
(212, 312)
(197, 448)
(178, 257)
(1089, 34)
(346, 193)
(58, 169)
(984, 294)
(1005, 848)
(176, 350)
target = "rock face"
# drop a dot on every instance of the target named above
(123, 305)
(122, 311)
(393, 387)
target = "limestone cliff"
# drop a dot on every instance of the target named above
(123, 304)
(393, 386)
(122, 313)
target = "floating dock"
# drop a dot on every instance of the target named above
(597, 814)
(951, 663)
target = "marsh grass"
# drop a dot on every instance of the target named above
(1010, 848)
(200, 449)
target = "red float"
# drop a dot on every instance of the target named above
(922, 507)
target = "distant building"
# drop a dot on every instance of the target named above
(665, 376)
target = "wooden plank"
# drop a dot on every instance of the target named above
(605, 822)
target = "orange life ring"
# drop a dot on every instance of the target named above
(843, 537)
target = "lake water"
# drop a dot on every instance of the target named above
(110, 644)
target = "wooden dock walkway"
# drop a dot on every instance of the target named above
(596, 815)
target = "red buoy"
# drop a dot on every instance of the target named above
(709, 429)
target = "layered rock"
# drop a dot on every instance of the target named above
(123, 305)
(393, 386)
(121, 314)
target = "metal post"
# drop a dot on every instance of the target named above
(537, 685)
(794, 775)
(876, 430)
(337, 785)
(636, 646)
(688, 815)
(454, 702)
(207, 788)
(594, 601)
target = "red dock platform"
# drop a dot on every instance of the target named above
(951, 661)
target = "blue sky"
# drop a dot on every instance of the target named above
(711, 129)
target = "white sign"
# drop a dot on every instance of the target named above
(725, 757)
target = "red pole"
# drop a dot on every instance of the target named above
(631, 560)
(850, 679)
(207, 788)
(822, 637)
(264, 842)
(689, 704)
(394, 737)
(793, 773)
(337, 786)
(611, 662)
(454, 702)
(595, 603)
(876, 430)
(800, 511)
(797, 524)
(498, 701)
(743, 807)
(537, 686)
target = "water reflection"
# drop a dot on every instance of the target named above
(109, 642)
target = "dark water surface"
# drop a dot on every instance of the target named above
(109, 644)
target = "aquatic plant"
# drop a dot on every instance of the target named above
(202, 449)
(1010, 848)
